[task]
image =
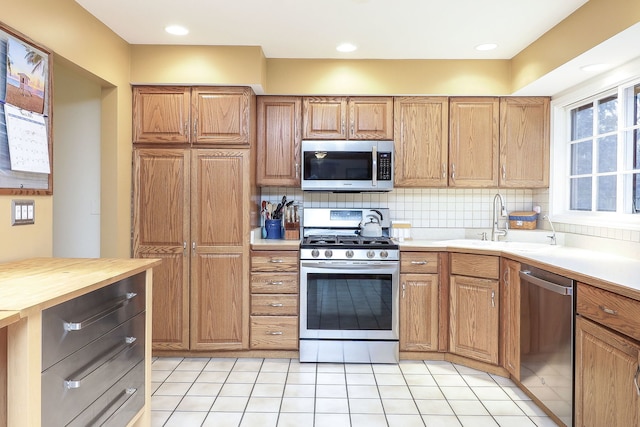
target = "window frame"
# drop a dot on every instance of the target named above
(612, 82)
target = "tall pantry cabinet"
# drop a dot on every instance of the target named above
(193, 206)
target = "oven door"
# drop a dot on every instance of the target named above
(349, 300)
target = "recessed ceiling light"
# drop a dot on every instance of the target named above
(486, 46)
(176, 30)
(591, 68)
(346, 47)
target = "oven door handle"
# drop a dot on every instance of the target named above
(336, 265)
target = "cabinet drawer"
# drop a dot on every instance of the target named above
(71, 325)
(270, 283)
(72, 384)
(614, 311)
(118, 405)
(274, 261)
(274, 305)
(486, 266)
(274, 332)
(418, 262)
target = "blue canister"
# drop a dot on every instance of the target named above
(274, 228)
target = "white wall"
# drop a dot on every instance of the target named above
(76, 162)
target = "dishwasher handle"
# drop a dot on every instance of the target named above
(559, 289)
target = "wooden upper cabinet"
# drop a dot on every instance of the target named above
(371, 118)
(161, 114)
(222, 115)
(362, 117)
(279, 137)
(473, 142)
(524, 142)
(421, 130)
(324, 117)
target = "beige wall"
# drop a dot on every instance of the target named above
(398, 77)
(592, 24)
(78, 38)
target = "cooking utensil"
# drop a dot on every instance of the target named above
(371, 228)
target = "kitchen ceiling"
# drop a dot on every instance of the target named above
(381, 29)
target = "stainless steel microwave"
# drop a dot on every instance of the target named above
(347, 166)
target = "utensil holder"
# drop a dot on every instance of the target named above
(274, 228)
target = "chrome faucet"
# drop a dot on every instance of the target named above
(553, 236)
(495, 229)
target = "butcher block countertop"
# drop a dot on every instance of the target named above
(39, 283)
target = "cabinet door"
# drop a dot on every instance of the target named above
(607, 369)
(473, 142)
(161, 230)
(510, 318)
(371, 118)
(474, 313)
(222, 115)
(421, 129)
(324, 117)
(279, 137)
(161, 114)
(524, 142)
(419, 312)
(220, 270)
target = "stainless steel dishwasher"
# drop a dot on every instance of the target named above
(546, 339)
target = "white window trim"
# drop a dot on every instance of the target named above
(559, 159)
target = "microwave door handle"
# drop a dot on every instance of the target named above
(374, 167)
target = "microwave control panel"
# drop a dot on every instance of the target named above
(384, 166)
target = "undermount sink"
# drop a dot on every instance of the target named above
(503, 246)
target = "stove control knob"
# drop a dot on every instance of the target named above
(315, 253)
(328, 253)
(370, 254)
(384, 254)
(349, 254)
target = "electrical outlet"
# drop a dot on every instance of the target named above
(23, 212)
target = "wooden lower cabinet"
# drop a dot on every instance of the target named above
(607, 370)
(474, 304)
(274, 300)
(419, 312)
(510, 317)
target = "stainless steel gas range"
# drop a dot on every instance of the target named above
(348, 287)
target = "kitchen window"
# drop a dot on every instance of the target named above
(602, 152)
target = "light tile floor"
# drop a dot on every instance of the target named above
(229, 392)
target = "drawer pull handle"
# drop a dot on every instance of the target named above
(113, 307)
(119, 403)
(274, 333)
(99, 362)
(608, 310)
(276, 283)
(635, 380)
(419, 262)
(276, 304)
(276, 260)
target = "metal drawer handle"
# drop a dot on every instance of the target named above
(276, 304)
(274, 333)
(119, 402)
(419, 262)
(109, 355)
(276, 283)
(635, 380)
(119, 303)
(608, 310)
(276, 261)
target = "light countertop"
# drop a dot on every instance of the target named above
(39, 283)
(611, 272)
